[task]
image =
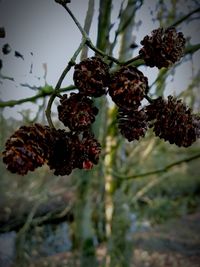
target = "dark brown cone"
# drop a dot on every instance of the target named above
(152, 110)
(128, 87)
(173, 121)
(87, 150)
(163, 48)
(72, 150)
(61, 159)
(91, 77)
(27, 148)
(132, 124)
(77, 111)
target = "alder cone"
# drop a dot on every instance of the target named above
(132, 124)
(91, 77)
(128, 87)
(163, 47)
(173, 121)
(27, 149)
(61, 158)
(71, 150)
(88, 149)
(153, 109)
(77, 111)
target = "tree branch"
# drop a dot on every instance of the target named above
(162, 170)
(147, 187)
(192, 49)
(43, 93)
(183, 18)
(60, 80)
(130, 61)
(87, 38)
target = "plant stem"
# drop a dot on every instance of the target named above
(88, 40)
(101, 53)
(60, 80)
(83, 32)
(43, 93)
(183, 18)
(162, 170)
(149, 99)
(130, 61)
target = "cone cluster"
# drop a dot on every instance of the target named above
(75, 146)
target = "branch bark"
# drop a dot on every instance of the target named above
(41, 94)
(162, 170)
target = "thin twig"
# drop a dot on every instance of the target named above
(149, 99)
(83, 32)
(130, 61)
(60, 80)
(22, 233)
(101, 53)
(183, 18)
(150, 185)
(6, 78)
(162, 170)
(87, 38)
(43, 93)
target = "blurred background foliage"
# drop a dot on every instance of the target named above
(91, 218)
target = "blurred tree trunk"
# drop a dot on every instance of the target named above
(117, 210)
(85, 235)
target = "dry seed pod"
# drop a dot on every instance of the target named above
(163, 47)
(91, 76)
(27, 149)
(173, 121)
(132, 124)
(73, 150)
(88, 150)
(61, 158)
(77, 111)
(128, 87)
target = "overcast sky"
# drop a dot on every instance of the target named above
(43, 32)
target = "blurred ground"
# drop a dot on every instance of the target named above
(174, 244)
